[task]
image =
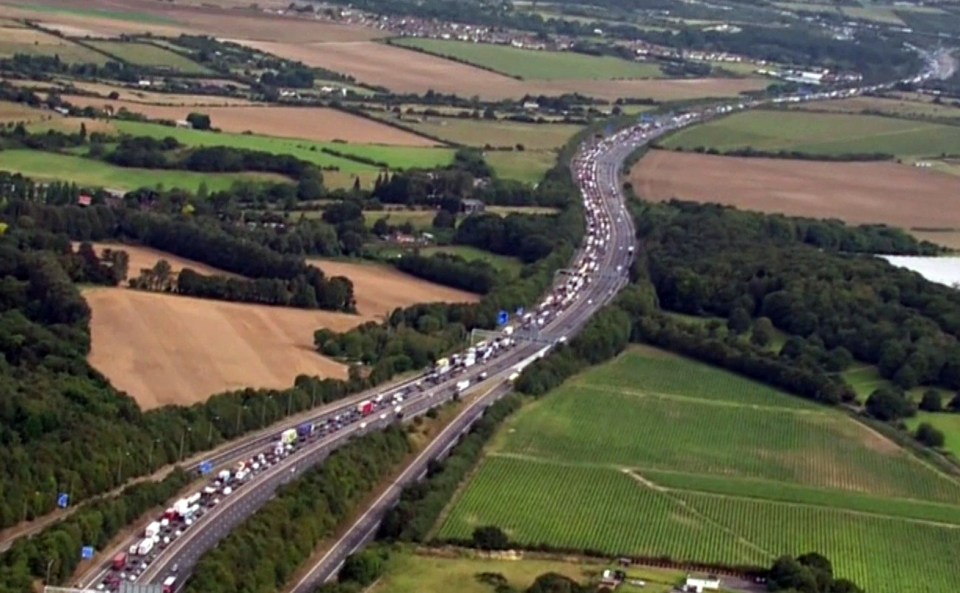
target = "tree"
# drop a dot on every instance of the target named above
(929, 436)
(381, 227)
(739, 320)
(490, 537)
(763, 332)
(887, 404)
(364, 567)
(931, 401)
(954, 405)
(444, 220)
(199, 121)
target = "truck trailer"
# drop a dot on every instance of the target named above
(365, 407)
(289, 436)
(119, 561)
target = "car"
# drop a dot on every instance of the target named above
(175, 567)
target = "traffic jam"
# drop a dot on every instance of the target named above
(185, 512)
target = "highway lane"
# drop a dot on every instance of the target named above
(219, 521)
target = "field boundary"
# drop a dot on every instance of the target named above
(391, 41)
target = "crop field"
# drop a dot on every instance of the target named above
(86, 172)
(531, 64)
(380, 289)
(23, 40)
(856, 192)
(109, 18)
(409, 572)
(307, 123)
(820, 134)
(167, 349)
(18, 112)
(398, 157)
(151, 56)
(144, 257)
(128, 96)
(402, 70)
(890, 106)
(481, 133)
(655, 455)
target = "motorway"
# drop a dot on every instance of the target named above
(597, 170)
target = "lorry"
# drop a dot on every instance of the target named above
(119, 561)
(288, 436)
(365, 407)
(305, 430)
(168, 584)
(152, 529)
(144, 547)
(462, 385)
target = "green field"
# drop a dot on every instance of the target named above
(20, 40)
(398, 157)
(49, 166)
(528, 166)
(117, 15)
(408, 572)
(532, 64)
(503, 263)
(150, 56)
(947, 423)
(820, 134)
(653, 454)
(480, 133)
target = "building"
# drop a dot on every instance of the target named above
(84, 200)
(701, 584)
(470, 206)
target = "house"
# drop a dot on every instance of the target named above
(531, 105)
(84, 200)
(470, 206)
(701, 584)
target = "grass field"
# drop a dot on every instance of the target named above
(150, 56)
(948, 423)
(49, 166)
(398, 157)
(534, 65)
(820, 134)
(528, 166)
(408, 572)
(905, 107)
(653, 454)
(503, 263)
(24, 40)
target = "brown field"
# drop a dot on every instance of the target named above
(138, 96)
(381, 289)
(404, 70)
(72, 124)
(230, 21)
(145, 257)
(17, 112)
(888, 193)
(165, 349)
(306, 123)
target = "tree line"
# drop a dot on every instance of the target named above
(283, 533)
(451, 270)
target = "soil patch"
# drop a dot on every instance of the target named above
(885, 192)
(145, 257)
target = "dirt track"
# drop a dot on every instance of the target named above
(404, 70)
(899, 195)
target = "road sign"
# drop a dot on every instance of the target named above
(63, 500)
(206, 467)
(87, 552)
(502, 318)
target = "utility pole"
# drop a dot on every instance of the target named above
(182, 437)
(46, 581)
(210, 430)
(150, 454)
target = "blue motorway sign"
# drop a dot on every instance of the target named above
(87, 552)
(63, 500)
(502, 318)
(206, 467)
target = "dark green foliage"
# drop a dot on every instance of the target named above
(889, 404)
(265, 550)
(362, 568)
(490, 537)
(421, 503)
(931, 401)
(929, 436)
(451, 270)
(199, 121)
(94, 525)
(809, 573)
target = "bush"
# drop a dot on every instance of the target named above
(929, 436)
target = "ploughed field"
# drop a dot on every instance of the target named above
(654, 455)
(874, 192)
(169, 349)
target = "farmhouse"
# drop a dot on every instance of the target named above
(471, 206)
(700, 584)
